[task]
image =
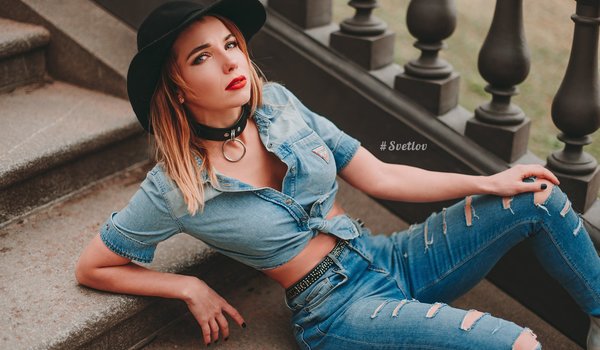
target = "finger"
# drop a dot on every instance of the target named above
(528, 187)
(214, 327)
(223, 325)
(547, 174)
(205, 332)
(235, 315)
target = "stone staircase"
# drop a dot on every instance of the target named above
(71, 152)
(56, 137)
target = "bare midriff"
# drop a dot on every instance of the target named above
(316, 249)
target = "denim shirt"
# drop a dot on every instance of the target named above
(260, 227)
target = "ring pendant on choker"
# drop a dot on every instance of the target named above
(227, 135)
(232, 139)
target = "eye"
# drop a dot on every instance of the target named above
(200, 58)
(231, 44)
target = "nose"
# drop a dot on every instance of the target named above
(230, 64)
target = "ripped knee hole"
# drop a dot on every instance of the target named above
(540, 197)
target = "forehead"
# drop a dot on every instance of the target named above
(204, 30)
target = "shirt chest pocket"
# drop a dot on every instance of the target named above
(316, 168)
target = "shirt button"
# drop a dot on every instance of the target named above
(288, 201)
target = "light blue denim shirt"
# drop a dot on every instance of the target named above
(260, 227)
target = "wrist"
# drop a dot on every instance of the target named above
(189, 287)
(485, 185)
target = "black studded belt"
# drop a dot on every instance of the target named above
(318, 271)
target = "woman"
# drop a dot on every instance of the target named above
(230, 146)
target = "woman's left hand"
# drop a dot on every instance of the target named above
(510, 181)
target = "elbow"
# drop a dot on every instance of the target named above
(83, 273)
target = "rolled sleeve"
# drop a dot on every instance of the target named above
(135, 231)
(345, 149)
(342, 145)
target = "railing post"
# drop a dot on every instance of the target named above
(304, 13)
(430, 80)
(364, 38)
(576, 110)
(500, 125)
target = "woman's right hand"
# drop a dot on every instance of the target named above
(207, 307)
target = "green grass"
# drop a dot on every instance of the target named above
(549, 31)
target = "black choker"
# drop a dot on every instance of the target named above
(227, 134)
(221, 134)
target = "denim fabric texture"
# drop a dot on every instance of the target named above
(392, 292)
(260, 227)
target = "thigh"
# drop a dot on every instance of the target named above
(383, 323)
(452, 250)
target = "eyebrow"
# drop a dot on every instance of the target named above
(204, 46)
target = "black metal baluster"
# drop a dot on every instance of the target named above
(500, 125)
(429, 79)
(364, 38)
(305, 13)
(576, 110)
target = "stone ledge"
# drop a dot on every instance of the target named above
(17, 38)
(89, 46)
(57, 123)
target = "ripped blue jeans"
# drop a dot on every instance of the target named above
(390, 292)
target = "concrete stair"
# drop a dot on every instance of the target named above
(22, 58)
(56, 137)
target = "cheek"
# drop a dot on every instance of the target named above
(201, 80)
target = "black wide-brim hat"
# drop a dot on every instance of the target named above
(159, 30)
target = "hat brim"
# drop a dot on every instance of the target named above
(145, 68)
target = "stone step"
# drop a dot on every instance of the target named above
(43, 305)
(90, 47)
(22, 54)
(58, 137)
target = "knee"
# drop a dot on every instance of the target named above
(527, 340)
(541, 196)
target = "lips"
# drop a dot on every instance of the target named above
(237, 83)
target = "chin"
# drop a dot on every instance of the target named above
(243, 98)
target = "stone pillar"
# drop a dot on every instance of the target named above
(430, 80)
(500, 125)
(304, 13)
(576, 110)
(364, 38)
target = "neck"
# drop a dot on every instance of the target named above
(218, 119)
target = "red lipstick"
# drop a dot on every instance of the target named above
(237, 83)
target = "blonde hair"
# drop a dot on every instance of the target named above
(176, 145)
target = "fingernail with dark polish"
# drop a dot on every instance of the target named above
(244, 325)
(543, 186)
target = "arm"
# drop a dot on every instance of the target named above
(133, 233)
(411, 184)
(100, 268)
